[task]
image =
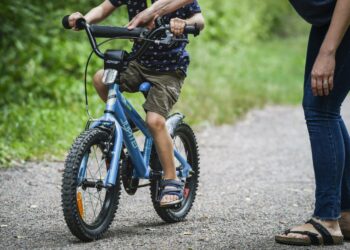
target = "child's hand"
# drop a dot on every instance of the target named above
(144, 19)
(177, 26)
(73, 18)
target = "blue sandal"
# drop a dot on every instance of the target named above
(171, 187)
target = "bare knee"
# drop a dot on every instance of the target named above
(99, 86)
(97, 79)
(155, 122)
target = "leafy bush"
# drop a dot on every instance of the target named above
(41, 65)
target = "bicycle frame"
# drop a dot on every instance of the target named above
(118, 108)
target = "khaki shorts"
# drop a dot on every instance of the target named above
(165, 91)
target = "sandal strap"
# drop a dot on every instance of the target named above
(327, 237)
(175, 187)
(312, 236)
(171, 192)
(172, 183)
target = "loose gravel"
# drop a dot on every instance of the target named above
(256, 181)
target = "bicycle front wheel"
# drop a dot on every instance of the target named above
(88, 207)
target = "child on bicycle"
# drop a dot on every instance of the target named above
(165, 68)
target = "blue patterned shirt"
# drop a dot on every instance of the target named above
(162, 58)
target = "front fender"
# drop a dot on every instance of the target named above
(112, 174)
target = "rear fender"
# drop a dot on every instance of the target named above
(173, 121)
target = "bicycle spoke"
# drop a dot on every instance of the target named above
(99, 196)
(93, 208)
(97, 161)
(96, 204)
(99, 169)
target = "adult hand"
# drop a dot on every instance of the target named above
(73, 19)
(322, 74)
(177, 26)
(145, 18)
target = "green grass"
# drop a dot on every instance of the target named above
(223, 83)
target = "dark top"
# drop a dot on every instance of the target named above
(162, 58)
(316, 12)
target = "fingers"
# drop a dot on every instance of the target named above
(325, 84)
(319, 86)
(137, 21)
(73, 18)
(132, 24)
(177, 26)
(322, 74)
(151, 24)
(145, 18)
(314, 85)
(331, 82)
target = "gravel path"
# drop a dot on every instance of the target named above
(256, 181)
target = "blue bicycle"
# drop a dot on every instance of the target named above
(107, 154)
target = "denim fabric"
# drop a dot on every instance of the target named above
(329, 137)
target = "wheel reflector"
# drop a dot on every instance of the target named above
(80, 204)
(186, 192)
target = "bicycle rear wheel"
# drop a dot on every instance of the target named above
(88, 207)
(186, 144)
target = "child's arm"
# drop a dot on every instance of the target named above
(158, 9)
(196, 19)
(177, 25)
(95, 15)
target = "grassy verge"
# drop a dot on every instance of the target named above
(223, 83)
(226, 82)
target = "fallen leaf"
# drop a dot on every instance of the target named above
(187, 233)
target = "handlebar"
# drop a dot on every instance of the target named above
(113, 32)
(97, 31)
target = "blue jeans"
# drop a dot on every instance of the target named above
(330, 141)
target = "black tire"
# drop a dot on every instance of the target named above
(89, 141)
(171, 215)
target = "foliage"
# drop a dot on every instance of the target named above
(41, 104)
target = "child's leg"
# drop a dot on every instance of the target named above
(163, 143)
(165, 148)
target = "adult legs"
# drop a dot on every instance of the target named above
(328, 137)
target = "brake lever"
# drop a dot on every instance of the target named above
(167, 40)
(170, 39)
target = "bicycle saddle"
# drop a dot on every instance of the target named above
(145, 87)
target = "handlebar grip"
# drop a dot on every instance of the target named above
(113, 32)
(65, 22)
(192, 29)
(80, 23)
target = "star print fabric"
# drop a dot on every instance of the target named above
(162, 58)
